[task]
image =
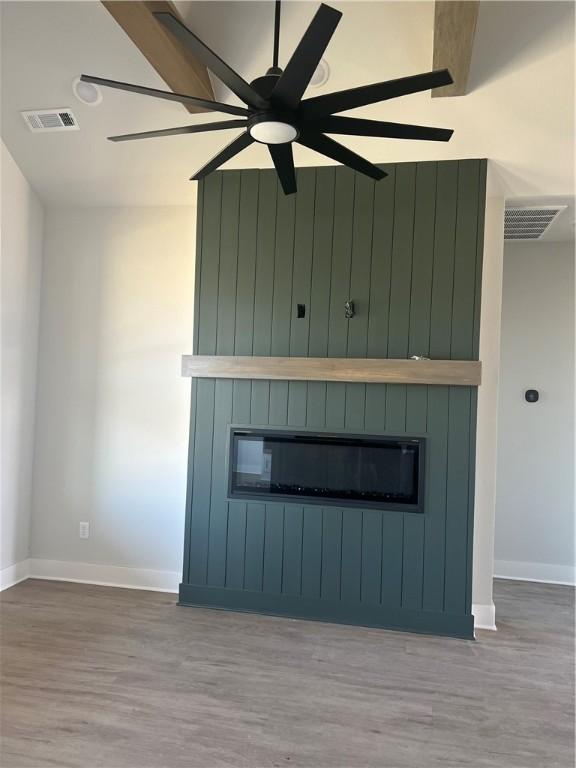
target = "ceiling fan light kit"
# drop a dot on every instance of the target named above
(276, 113)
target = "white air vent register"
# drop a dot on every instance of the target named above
(531, 222)
(44, 120)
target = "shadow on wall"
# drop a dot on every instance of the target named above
(509, 34)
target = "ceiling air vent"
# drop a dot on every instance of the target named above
(44, 120)
(529, 223)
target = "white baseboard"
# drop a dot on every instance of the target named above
(105, 575)
(484, 616)
(545, 573)
(14, 574)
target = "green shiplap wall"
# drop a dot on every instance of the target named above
(408, 252)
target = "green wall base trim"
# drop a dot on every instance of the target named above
(295, 607)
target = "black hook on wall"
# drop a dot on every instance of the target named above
(349, 310)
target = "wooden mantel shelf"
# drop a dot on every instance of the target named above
(360, 370)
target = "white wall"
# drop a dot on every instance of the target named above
(535, 486)
(21, 246)
(113, 410)
(487, 415)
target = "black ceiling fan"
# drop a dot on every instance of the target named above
(275, 113)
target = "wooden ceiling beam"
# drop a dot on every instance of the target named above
(454, 29)
(180, 70)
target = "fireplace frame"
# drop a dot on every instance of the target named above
(235, 495)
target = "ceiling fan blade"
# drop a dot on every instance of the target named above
(201, 128)
(216, 106)
(353, 126)
(212, 61)
(236, 146)
(322, 106)
(326, 146)
(284, 164)
(299, 70)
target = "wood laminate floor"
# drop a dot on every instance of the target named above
(116, 678)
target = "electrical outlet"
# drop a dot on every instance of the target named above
(84, 530)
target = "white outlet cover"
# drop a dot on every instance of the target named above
(84, 530)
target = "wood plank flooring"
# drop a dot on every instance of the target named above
(113, 678)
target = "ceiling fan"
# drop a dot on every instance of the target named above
(275, 112)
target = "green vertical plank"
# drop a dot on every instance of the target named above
(301, 280)
(260, 402)
(283, 259)
(264, 286)
(218, 530)
(292, 557)
(479, 258)
(422, 259)
(360, 293)
(204, 433)
(235, 554)
(400, 288)
(416, 408)
(414, 524)
(297, 400)
(412, 563)
(229, 221)
(278, 403)
(443, 267)
(396, 396)
(322, 262)
(471, 489)
(392, 557)
(375, 407)
(282, 301)
(320, 288)
(401, 269)
(351, 555)
(361, 266)
(371, 583)
(380, 269)
(207, 297)
(312, 551)
(265, 248)
(198, 265)
(236, 545)
(331, 553)
(381, 264)
(341, 261)
(340, 288)
(302, 263)
(421, 288)
(189, 483)
(462, 337)
(247, 247)
(254, 557)
(273, 548)
(457, 500)
(435, 502)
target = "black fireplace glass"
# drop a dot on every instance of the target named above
(347, 470)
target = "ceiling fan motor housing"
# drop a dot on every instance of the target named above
(271, 125)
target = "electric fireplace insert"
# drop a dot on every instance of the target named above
(326, 468)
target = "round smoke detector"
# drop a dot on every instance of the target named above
(87, 93)
(321, 74)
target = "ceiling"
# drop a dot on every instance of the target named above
(519, 112)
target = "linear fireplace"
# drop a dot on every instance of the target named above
(327, 468)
